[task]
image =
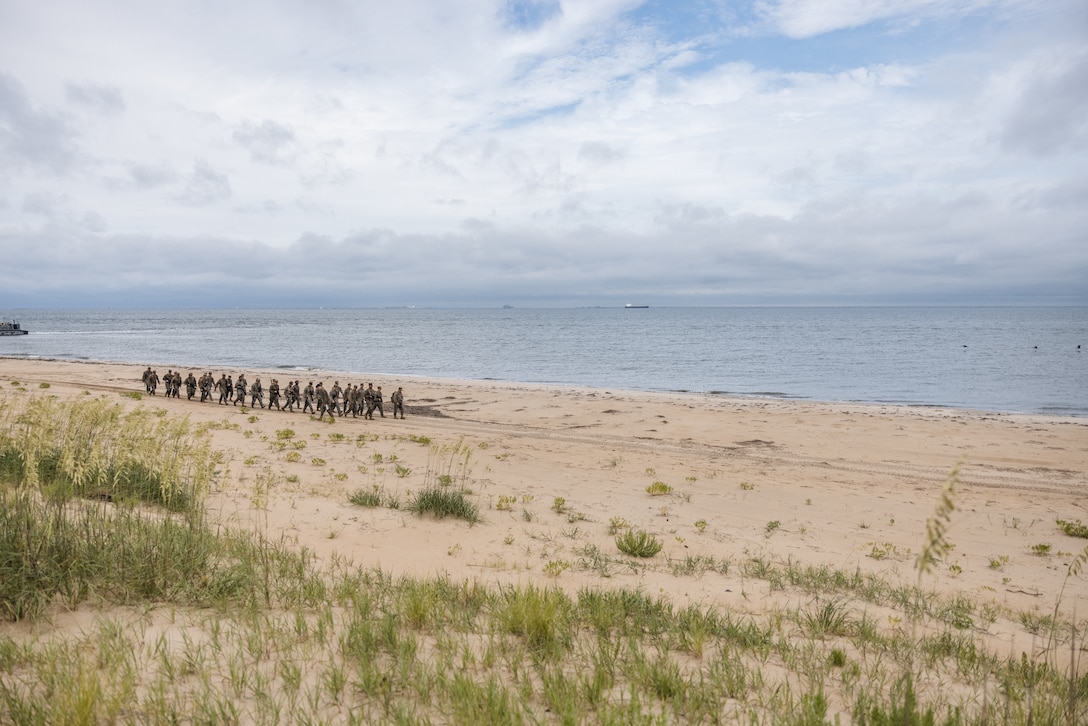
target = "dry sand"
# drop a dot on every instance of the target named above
(840, 484)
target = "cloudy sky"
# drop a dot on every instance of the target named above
(543, 152)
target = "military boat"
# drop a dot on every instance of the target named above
(11, 328)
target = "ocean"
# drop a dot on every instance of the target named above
(1002, 359)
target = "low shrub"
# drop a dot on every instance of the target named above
(444, 503)
(638, 543)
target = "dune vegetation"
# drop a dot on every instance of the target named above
(102, 514)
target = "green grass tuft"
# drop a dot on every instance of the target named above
(444, 503)
(638, 543)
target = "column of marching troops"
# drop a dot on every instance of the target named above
(354, 399)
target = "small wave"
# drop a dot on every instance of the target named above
(772, 394)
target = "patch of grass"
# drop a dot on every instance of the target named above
(638, 543)
(1074, 528)
(658, 488)
(90, 448)
(366, 497)
(616, 524)
(442, 502)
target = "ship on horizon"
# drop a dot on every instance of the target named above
(631, 306)
(11, 328)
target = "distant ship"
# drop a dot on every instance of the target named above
(11, 328)
(631, 306)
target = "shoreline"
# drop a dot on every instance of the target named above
(723, 396)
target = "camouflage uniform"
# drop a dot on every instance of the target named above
(308, 398)
(334, 397)
(226, 387)
(398, 402)
(324, 402)
(378, 402)
(368, 400)
(256, 393)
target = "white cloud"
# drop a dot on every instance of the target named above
(468, 149)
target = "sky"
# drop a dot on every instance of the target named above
(191, 153)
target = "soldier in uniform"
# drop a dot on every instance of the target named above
(334, 397)
(226, 388)
(153, 382)
(240, 389)
(274, 395)
(256, 393)
(324, 402)
(190, 386)
(398, 402)
(147, 379)
(368, 401)
(378, 402)
(308, 398)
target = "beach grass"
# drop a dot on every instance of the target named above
(199, 624)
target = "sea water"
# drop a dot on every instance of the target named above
(1012, 359)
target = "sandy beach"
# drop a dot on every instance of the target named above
(780, 514)
(838, 484)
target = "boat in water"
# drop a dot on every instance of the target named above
(632, 306)
(11, 328)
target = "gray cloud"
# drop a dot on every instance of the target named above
(267, 142)
(1051, 115)
(205, 186)
(152, 176)
(29, 136)
(102, 99)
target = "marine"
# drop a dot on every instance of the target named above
(240, 390)
(324, 402)
(256, 392)
(308, 398)
(274, 395)
(398, 402)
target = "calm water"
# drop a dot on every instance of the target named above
(1001, 359)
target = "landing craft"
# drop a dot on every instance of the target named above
(11, 328)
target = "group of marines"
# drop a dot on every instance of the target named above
(336, 401)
